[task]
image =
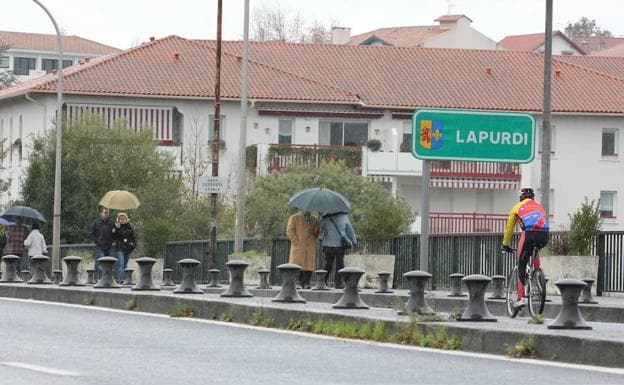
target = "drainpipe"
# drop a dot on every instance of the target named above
(44, 124)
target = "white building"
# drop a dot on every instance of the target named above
(332, 96)
(31, 55)
(535, 42)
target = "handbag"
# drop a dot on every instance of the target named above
(345, 242)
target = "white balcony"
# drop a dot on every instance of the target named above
(390, 163)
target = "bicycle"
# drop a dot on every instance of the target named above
(534, 289)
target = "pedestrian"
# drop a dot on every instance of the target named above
(303, 233)
(338, 236)
(125, 238)
(102, 231)
(35, 242)
(15, 236)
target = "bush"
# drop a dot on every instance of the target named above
(374, 145)
(584, 227)
(156, 233)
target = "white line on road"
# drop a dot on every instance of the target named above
(41, 369)
(592, 368)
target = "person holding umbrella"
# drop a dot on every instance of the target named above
(125, 238)
(303, 231)
(338, 236)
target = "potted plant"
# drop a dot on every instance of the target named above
(569, 255)
(374, 145)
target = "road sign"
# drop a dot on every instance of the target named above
(212, 184)
(473, 135)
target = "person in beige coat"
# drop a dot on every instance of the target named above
(303, 233)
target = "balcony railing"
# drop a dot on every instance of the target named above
(444, 223)
(475, 170)
(281, 156)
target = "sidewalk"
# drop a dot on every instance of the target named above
(601, 346)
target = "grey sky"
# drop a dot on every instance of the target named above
(124, 23)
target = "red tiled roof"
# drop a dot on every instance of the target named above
(613, 66)
(153, 69)
(615, 51)
(44, 42)
(533, 41)
(592, 44)
(378, 77)
(399, 36)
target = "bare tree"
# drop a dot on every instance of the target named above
(197, 160)
(276, 24)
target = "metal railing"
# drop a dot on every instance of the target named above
(479, 170)
(466, 223)
(286, 155)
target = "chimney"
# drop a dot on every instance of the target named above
(488, 71)
(341, 35)
(87, 59)
(152, 38)
(557, 74)
(54, 71)
(176, 56)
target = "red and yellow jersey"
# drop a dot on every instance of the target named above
(529, 214)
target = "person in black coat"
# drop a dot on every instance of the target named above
(125, 238)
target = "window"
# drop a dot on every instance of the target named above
(211, 128)
(607, 204)
(538, 139)
(23, 65)
(48, 65)
(406, 144)
(4, 62)
(609, 142)
(285, 131)
(343, 133)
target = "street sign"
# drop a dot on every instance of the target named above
(473, 135)
(212, 184)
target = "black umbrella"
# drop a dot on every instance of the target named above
(28, 215)
(323, 200)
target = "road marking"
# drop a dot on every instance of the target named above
(41, 369)
(602, 369)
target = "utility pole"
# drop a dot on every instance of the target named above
(547, 108)
(212, 261)
(241, 174)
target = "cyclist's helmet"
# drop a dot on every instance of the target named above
(526, 192)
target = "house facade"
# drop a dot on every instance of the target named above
(311, 96)
(535, 42)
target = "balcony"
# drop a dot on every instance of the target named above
(475, 170)
(444, 223)
(281, 156)
(391, 163)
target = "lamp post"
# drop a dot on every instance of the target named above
(56, 224)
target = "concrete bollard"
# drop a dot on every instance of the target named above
(90, 276)
(383, 282)
(145, 275)
(321, 276)
(25, 275)
(57, 276)
(213, 280)
(288, 293)
(477, 310)
(264, 279)
(237, 284)
(128, 281)
(72, 279)
(570, 315)
(351, 297)
(456, 285)
(188, 285)
(417, 281)
(38, 264)
(107, 267)
(498, 287)
(166, 279)
(10, 267)
(586, 294)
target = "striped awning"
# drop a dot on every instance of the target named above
(488, 184)
(160, 119)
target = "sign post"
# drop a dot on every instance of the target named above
(466, 135)
(211, 184)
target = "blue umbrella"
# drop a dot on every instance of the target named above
(27, 214)
(323, 200)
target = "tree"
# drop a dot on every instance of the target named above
(97, 159)
(6, 78)
(376, 215)
(276, 24)
(586, 27)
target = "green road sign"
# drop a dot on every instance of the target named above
(473, 135)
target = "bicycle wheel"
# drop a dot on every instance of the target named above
(537, 293)
(512, 292)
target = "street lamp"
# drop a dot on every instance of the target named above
(56, 224)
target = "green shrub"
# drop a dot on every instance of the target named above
(585, 226)
(156, 233)
(374, 145)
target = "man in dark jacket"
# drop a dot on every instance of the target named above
(102, 230)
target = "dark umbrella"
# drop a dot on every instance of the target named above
(323, 200)
(27, 214)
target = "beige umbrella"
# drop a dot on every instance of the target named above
(120, 200)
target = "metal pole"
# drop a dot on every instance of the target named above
(56, 224)
(547, 108)
(212, 261)
(424, 216)
(241, 174)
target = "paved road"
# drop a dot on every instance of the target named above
(52, 344)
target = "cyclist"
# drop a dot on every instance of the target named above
(532, 219)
